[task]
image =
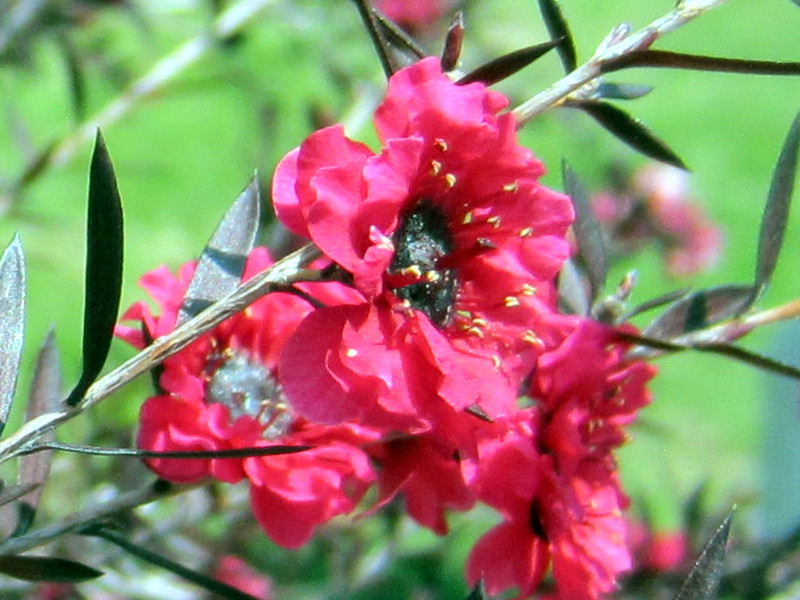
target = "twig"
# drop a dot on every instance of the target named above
(283, 273)
(93, 514)
(641, 40)
(228, 23)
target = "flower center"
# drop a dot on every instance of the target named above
(420, 242)
(247, 387)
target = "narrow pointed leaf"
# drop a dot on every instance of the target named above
(630, 130)
(222, 261)
(656, 302)
(591, 246)
(377, 34)
(398, 38)
(478, 592)
(622, 91)
(506, 65)
(776, 212)
(12, 323)
(703, 580)
(754, 359)
(572, 294)
(700, 309)
(42, 568)
(44, 397)
(696, 62)
(207, 583)
(103, 268)
(452, 44)
(559, 30)
(75, 76)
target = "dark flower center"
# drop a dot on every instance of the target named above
(247, 387)
(420, 242)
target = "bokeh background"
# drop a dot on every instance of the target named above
(183, 153)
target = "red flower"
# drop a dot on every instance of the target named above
(413, 13)
(223, 392)
(237, 573)
(551, 475)
(450, 240)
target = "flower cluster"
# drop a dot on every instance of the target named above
(656, 206)
(436, 366)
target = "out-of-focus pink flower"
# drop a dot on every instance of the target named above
(414, 14)
(452, 243)
(660, 551)
(657, 206)
(237, 573)
(551, 474)
(223, 392)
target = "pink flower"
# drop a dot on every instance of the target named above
(237, 573)
(223, 392)
(550, 473)
(452, 244)
(413, 14)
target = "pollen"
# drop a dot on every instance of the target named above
(436, 167)
(531, 338)
(441, 144)
(412, 270)
(351, 353)
(511, 301)
(528, 290)
(464, 314)
(450, 180)
(476, 331)
(511, 187)
(496, 361)
(432, 276)
(480, 322)
(494, 221)
(467, 218)
(527, 232)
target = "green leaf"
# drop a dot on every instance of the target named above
(12, 323)
(776, 212)
(699, 310)
(103, 268)
(628, 129)
(621, 91)
(478, 592)
(696, 62)
(42, 568)
(506, 65)
(221, 264)
(559, 30)
(591, 246)
(703, 580)
(44, 397)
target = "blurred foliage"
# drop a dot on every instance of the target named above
(182, 155)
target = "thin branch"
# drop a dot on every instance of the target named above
(281, 274)
(640, 40)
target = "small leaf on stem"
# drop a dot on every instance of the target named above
(221, 265)
(103, 268)
(12, 323)
(559, 30)
(506, 65)
(776, 212)
(703, 580)
(621, 91)
(452, 44)
(591, 246)
(43, 568)
(628, 129)
(700, 309)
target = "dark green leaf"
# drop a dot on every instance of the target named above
(591, 246)
(677, 60)
(44, 397)
(222, 261)
(656, 302)
(703, 580)
(377, 34)
(12, 323)
(776, 212)
(75, 76)
(222, 590)
(621, 91)
(42, 568)
(700, 309)
(752, 358)
(452, 44)
(559, 30)
(628, 129)
(103, 268)
(506, 65)
(398, 38)
(190, 454)
(478, 592)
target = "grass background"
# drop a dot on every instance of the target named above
(182, 156)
